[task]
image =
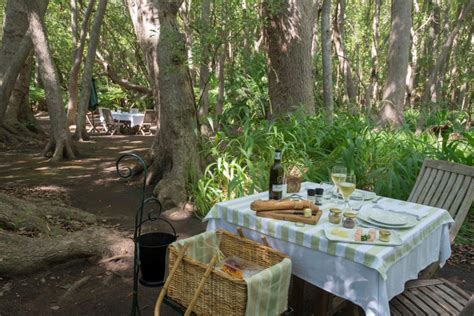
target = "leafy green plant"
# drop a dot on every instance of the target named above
(385, 161)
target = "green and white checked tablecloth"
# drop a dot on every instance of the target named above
(380, 258)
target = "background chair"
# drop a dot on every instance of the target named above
(148, 120)
(110, 126)
(450, 186)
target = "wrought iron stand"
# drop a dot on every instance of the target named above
(127, 172)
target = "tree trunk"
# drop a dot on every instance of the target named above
(314, 35)
(204, 62)
(175, 149)
(372, 90)
(397, 60)
(327, 63)
(430, 86)
(338, 36)
(81, 133)
(221, 86)
(60, 140)
(288, 32)
(77, 53)
(19, 93)
(14, 51)
(411, 71)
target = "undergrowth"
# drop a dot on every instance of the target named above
(384, 160)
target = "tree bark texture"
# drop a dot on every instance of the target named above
(221, 86)
(204, 62)
(327, 63)
(144, 14)
(430, 86)
(372, 89)
(78, 44)
(397, 60)
(20, 92)
(288, 33)
(15, 50)
(81, 133)
(345, 68)
(175, 150)
(60, 142)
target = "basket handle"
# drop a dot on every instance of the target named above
(263, 237)
(209, 269)
(161, 297)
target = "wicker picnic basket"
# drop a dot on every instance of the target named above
(221, 294)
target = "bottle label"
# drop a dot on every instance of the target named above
(277, 155)
(277, 188)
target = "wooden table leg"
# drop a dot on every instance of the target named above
(297, 295)
(320, 300)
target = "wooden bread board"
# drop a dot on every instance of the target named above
(288, 216)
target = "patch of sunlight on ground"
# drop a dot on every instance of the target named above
(42, 168)
(136, 149)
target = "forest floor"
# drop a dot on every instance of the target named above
(91, 183)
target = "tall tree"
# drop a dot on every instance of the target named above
(16, 46)
(430, 85)
(327, 63)
(372, 89)
(397, 60)
(78, 43)
(204, 62)
(174, 155)
(60, 142)
(288, 33)
(81, 132)
(338, 36)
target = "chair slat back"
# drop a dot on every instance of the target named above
(149, 117)
(445, 185)
(107, 115)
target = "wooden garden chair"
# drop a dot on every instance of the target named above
(450, 186)
(148, 120)
(110, 126)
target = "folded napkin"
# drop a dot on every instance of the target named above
(405, 207)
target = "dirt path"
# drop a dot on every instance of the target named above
(92, 184)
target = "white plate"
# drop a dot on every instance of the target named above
(364, 214)
(388, 218)
(349, 238)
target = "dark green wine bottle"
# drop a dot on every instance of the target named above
(275, 188)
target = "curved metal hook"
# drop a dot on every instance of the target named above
(126, 172)
(151, 216)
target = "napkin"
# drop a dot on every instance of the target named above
(404, 207)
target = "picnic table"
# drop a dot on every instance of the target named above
(134, 118)
(367, 275)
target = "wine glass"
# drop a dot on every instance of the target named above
(338, 174)
(346, 187)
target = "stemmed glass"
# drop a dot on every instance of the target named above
(338, 174)
(346, 188)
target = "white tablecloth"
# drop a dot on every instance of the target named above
(363, 285)
(134, 118)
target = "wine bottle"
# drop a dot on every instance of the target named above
(275, 188)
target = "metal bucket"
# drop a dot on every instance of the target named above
(152, 249)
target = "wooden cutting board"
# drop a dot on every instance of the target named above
(296, 216)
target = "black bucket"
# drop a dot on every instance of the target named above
(152, 254)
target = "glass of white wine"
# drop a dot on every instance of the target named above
(338, 174)
(346, 188)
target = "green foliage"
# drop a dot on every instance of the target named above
(385, 161)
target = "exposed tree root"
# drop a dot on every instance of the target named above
(20, 255)
(50, 225)
(34, 217)
(64, 148)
